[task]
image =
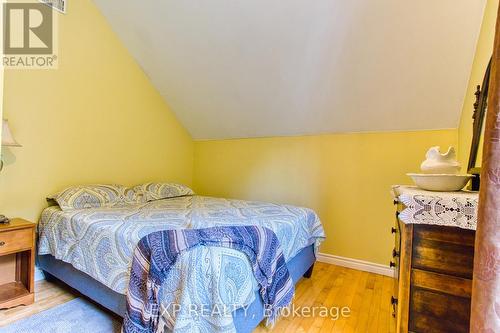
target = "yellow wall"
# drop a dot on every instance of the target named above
(345, 178)
(95, 119)
(484, 50)
(1, 78)
(1, 97)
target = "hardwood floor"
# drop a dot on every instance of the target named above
(367, 296)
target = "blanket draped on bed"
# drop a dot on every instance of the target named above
(157, 252)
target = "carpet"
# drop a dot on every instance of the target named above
(75, 316)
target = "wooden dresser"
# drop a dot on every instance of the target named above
(433, 270)
(17, 263)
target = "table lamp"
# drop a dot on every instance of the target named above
(7, 141)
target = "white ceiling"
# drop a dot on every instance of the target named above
(235, 68)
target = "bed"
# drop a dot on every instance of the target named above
(91, 251)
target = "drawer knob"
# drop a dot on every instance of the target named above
(392, 264)
(2, 243)
(393, 230)
(394, 303)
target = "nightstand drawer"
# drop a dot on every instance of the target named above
(15, 240)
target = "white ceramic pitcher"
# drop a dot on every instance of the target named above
(437, 163)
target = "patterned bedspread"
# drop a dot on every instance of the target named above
(156, 254)
(101, 242)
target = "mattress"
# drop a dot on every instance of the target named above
(100, 242)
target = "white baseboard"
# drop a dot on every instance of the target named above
(360, 265)
(38, 274)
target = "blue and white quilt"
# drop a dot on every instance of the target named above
(101, 242)
(156, 254)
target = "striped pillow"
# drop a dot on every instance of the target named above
(157, 191)
(89, 196)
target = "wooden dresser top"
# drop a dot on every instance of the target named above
(16, 224)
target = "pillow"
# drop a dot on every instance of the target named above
(134, 195)
(89, 196)
(157, 191)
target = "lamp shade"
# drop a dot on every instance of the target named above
(7, 137)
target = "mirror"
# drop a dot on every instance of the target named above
(479, 116)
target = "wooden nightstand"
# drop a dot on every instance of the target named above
(17, 263)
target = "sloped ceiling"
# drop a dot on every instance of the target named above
(249, 68)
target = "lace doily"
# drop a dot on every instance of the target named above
(454, 209)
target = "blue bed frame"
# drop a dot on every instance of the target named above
(300, 265)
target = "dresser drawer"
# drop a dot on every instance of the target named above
(438, 313)
(15, 240)
(442, 283)
(443, 251)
